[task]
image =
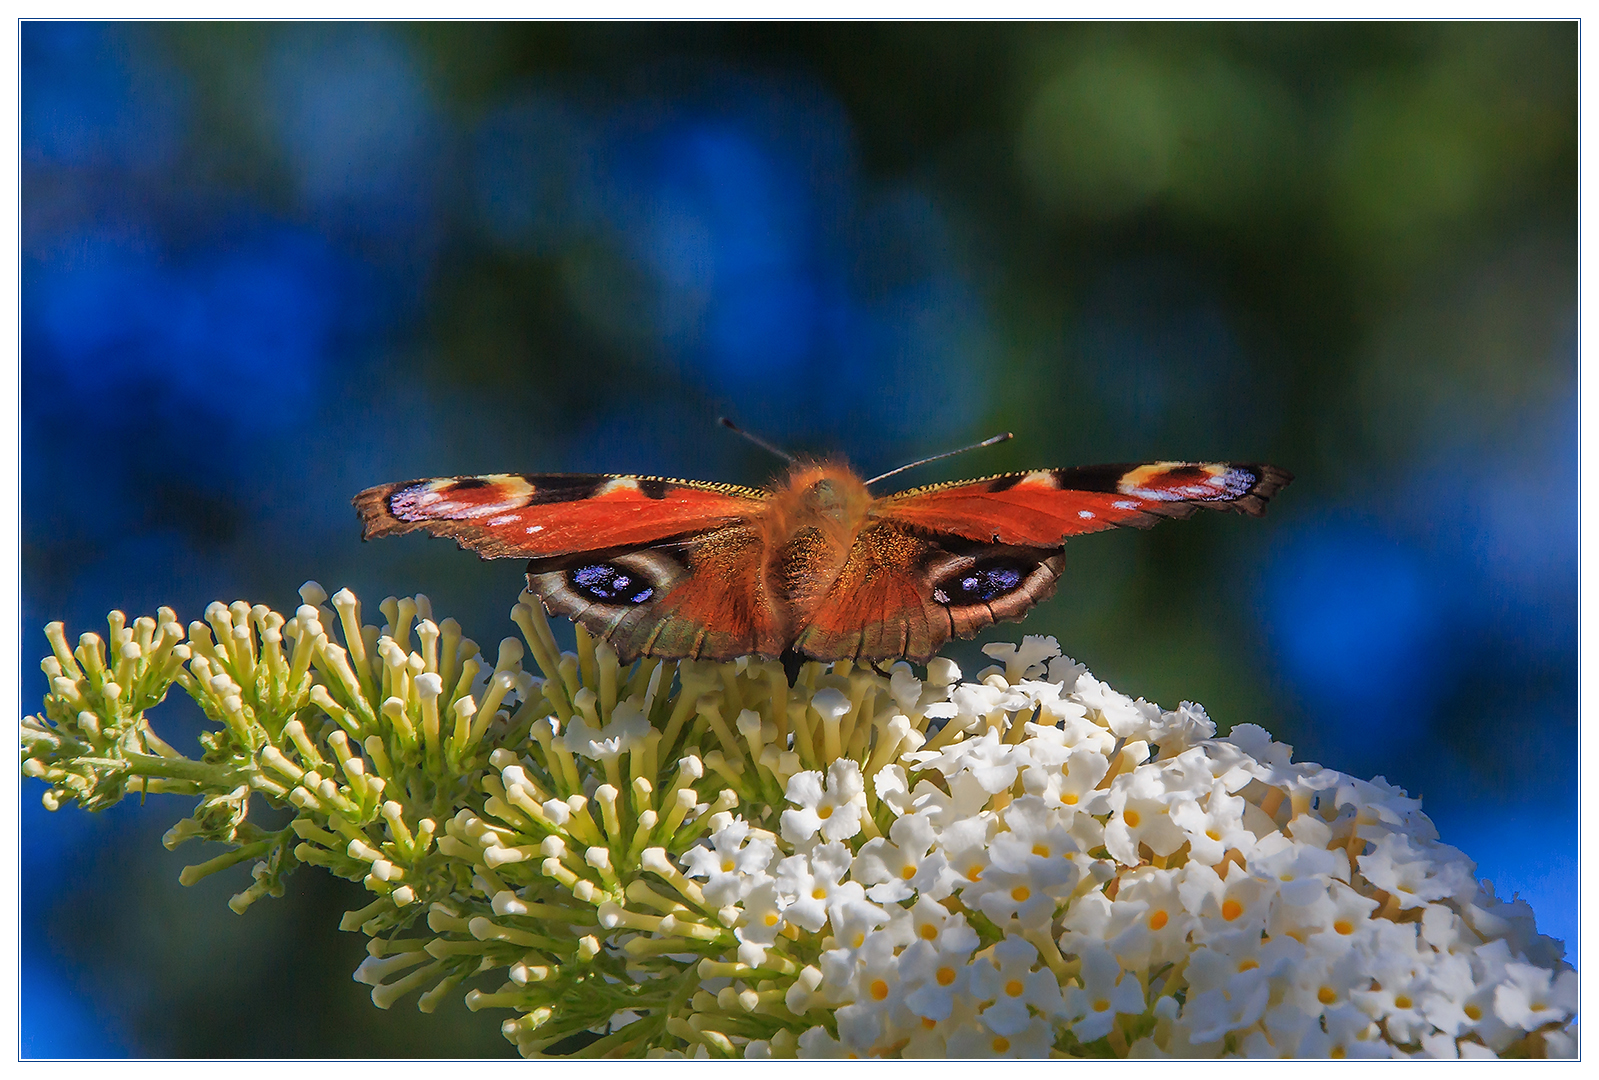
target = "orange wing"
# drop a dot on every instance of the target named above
(903, 594)
(949, 559)
(543, 514)
(702, 597)
(1046, 507)
(656, 567)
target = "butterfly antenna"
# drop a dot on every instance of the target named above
(992, 440)
(756, 439)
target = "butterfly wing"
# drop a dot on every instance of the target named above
(949, 559)
(702, 597)
(1048, 506)
(903, 593)
(656, 567)
(545, 514)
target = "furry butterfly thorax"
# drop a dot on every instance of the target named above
(814, 566)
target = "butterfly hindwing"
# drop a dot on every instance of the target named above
(701, 597)
(904, 593)
(547, 514)
(1045, 507)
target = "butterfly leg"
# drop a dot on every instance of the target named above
(792, 662)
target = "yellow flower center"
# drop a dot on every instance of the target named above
(879, 990)
(945, 975)
(771, 918)
(1014, 988)
(1214, 834)
(1337, 1052)
(1344, 926)
(907, 871)
(929, 1023)
(727, 866)
(1473, 1012)
(1041, 850)
(974, 871)
(929, 932)
(819, 893)
(1231, 909)
(1000, 1044)
(1131, 817)
(1101, 1004)
(1020, 894)
(1326, 995)
(824, 811)
(858, 941)
(1401, 1001)
(1069, 798)
(1158, 920)
(1248, 965)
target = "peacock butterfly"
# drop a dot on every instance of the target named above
(814, 566)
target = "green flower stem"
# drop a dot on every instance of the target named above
(191, 874)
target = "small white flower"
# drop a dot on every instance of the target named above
(962, 802)
(1138, 805)
(1105, 993)
(1007, 980)
(1151, 926)
(760, 923)
(853, 916)
(1034, 843)
(1340, 919)
(904, 687)
(936, 972)
(1531, 997)
(1181, 729)
(1004, 895)
(1025, 661)
(1397, 1006)
(1239, 904)
(965, 845)
(807, 882)
(1416, 873)
(875, 1012)
(734, 863)
(626, 731)
(1214, 826)
(1351, 1033)
(978, 1040)
(992, 763)
(904, 864)
(1124, 717)
(1081, 773)
(817, 1043)
(834, 811)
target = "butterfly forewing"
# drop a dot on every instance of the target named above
(1045, 507)
(546, 514)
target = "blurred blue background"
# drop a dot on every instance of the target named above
(266, 266)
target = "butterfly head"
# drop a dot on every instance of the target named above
(826, 491)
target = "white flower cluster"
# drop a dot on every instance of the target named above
(723, 860)
(1070, 869)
